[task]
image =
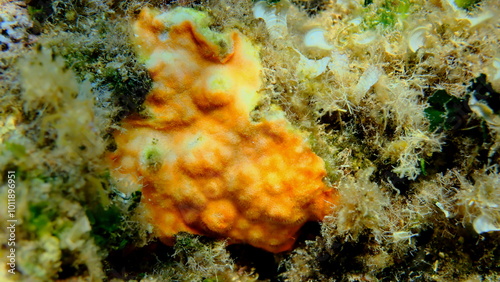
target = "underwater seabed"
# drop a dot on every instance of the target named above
(250, 140)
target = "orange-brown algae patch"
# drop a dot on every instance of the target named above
(205, 166)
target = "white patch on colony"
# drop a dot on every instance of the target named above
(483, 224)
(275, 20)
(417, 38)
(367, 80)
(312, 68)
(316, 38)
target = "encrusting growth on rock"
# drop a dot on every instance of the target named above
(205, 166)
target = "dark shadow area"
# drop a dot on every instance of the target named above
(131, 263)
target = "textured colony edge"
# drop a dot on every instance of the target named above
(205, 167)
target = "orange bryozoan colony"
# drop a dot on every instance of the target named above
(204, 165)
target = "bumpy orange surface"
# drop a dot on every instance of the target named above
(205, 167)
